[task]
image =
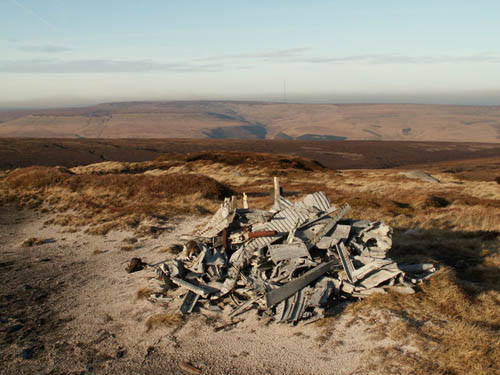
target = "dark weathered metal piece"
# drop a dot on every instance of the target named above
(277, 295)
(189, 302)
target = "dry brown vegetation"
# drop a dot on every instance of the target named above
(453, 321)
(108, 201)
(26, 152)
(230, 119)
(163, 320)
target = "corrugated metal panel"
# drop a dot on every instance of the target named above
(284, 221)
(283, 202)
(317, 200)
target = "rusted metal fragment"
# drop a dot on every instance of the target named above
(277, 295)
(286, 220)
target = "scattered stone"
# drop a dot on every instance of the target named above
(136, 264)
(420, 175)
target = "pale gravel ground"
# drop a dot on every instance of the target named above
(78, 310)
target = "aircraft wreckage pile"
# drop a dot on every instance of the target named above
(291, 262)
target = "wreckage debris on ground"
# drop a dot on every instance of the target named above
(292, 262)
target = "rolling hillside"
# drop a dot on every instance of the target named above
(255, 120)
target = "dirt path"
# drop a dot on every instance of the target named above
(69, 307)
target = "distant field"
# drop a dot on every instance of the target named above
(22, 152)
(256, 120)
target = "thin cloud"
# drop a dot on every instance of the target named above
(100, 66)
(48, 48)
(399, 59)
(303, 55)
(219, 64)
(268, 55)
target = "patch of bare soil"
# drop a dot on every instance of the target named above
(67, 306)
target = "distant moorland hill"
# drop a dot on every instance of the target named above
(258, 120)
(24, 152)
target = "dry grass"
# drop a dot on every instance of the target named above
(163, 320)
(452, 322)
(455, 332)
(143, 293)
(172, 249)
(33, 241)
(101, 203)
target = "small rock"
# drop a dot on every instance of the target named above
(420, 175)
(120, 353)
(130, 240)
(136, 264)
(28, 353)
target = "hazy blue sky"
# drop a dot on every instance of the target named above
(76, 51)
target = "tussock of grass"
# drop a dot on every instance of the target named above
(143, 293)
(163, 320)
(130, 240)
(33, 241)
(172, 249)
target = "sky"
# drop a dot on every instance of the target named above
(76, 52)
